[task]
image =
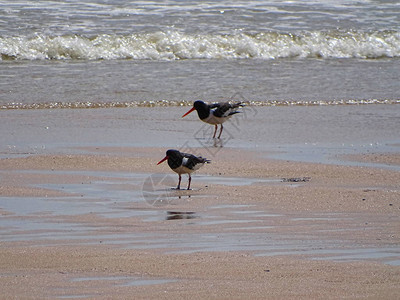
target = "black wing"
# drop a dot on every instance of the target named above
(190, 160)
(225, 109)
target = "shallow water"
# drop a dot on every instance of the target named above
(47, 221)
(125, 281)
(312, 133)
(131, 83)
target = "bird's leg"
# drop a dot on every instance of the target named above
(179, 182)
(215, 131)
(190, 180)
(220, 131)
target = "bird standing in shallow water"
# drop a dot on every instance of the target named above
(214, 114)
(183, 163)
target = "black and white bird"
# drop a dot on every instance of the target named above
(183, 163)
(216, 113)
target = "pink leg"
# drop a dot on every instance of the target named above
(190, 180)
(179, 183)
(215, 131)
(222, 127)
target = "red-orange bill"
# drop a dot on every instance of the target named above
(164, 159)
(192, 109)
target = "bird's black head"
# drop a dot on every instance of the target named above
(173, 153)
(203, 110)
(174, 158)
(199, 104)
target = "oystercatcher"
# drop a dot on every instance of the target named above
(214, 114)
(183, 163)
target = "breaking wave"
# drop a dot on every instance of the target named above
(177, 45)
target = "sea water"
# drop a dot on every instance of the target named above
(114, 53)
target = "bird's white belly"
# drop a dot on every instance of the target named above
(183, 170)
(213, 120)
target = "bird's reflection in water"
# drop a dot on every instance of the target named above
(180, 215)
(218, 143)
(167, 196)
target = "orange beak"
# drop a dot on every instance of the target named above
(164, 159)
(192, 109)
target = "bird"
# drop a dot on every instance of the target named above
(216, 113)
(183, 163)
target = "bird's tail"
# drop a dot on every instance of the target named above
(206, 161)
(234, 112)
(238, 104)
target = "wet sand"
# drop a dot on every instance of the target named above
(88, 219)
(90, 227)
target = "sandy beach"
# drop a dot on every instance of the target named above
(91, 226)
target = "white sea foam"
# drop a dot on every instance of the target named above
(165, 103)
(174, 45)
